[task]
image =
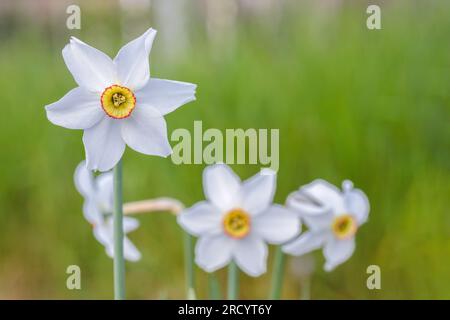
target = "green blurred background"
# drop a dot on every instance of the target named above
(371, 106)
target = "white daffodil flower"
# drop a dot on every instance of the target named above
(333, 218)
(98, 208)
(116, 102)
(237, 219)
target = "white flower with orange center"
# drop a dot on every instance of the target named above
(98, 207)
(237, 220)
(333, 218)
(116, 102)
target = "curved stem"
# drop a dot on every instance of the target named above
(277, 275)
(119, 262)
(151, 205)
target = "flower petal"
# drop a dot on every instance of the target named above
(130, 252)
(145, 131)
(221, 186)
(105, 191)
(257, 192)
(337, 252)
(84, 180)
(300, 202)
(130, 224)
(103, 234)
(315, 215)
(200, 219)
(319, 221)
(103, 145)
(166, 95)
(91, 68)
(132, 64)
(213, 252)
(357, 203)
(277, 224)
(251, 255)
(78, 109)
(91, 211)
(307, 242)
(326, 194)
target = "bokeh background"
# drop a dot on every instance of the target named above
(371, 106)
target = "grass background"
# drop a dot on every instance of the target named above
(371, 106)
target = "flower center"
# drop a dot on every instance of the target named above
(118, 102)
(344, 226)
(237, 223)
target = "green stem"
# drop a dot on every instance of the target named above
(305, 293)
(233, 281)
(189, 266)
(278, 272)
(214, 287)
(119, 262)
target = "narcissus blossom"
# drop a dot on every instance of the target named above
(333, 218)
(237, 220)
(116, 102)
(98, 208)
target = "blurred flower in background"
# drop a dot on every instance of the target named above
(98, 208)
(333, 218)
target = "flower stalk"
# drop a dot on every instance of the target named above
(189, 266)
(214, 287)
(277, 275)
(233, 281)
(119, 262)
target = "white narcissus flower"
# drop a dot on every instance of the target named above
(98, 208)
(237, 219)
(333, 218)
(116, 102)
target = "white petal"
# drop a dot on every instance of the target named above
(319, 221)
(315, 215)
(91, 211)
(251, 255)
(276, 225)
(105, 191)
(357, 204)
(130, 224)
(132, 64)
(130, 252)
(304, 204)
(307, 242)
(91, 68)
(103, 144)
(166, 95)
(103, 234)
(78, 109)
(200, 219)
(213, 252)
(221, 186)
(337, 252)
(257, 192)
(145, 131)
(84, 180)
(326, 194)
